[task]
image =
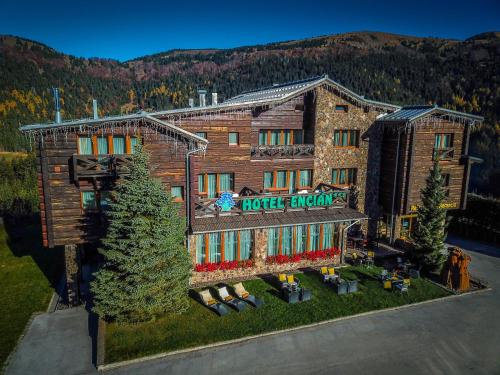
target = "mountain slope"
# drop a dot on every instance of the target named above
(464, 75)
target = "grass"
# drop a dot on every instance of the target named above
(200, 326)
(27, 272)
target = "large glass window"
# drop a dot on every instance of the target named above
(288, 180)
(102, 145)
(246, 244)
(85, 145)
(346, 138)
(286, 240)
(344, 176)
(314, 237)
(301, 238)
(305, 178)
(443, 140)
(408, 224)
(277, 137)
(212, 184)
(230, 245)
(107, 144)
(95, 200)
(273, 241)
(237, 246)
(118, 145)
(89, 201)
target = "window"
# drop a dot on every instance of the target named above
(89, 201)
(288, 180)
(224, 246)
(134, 142)
(201, 134)
(278, 137)
(118, 145)
(212, 184)
(340, 108)
(346, 138)
(102, 145)
(107, 144)
(95, 200)
(408, 224)
(234, 139)
(105, 198)
(177, 193)
(85, 145)
(446, 183)
(344, 176)
(301, 238)
(442, 141)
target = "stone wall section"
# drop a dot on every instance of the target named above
(366, 158)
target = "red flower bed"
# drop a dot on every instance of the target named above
(227, 265)
(309, 255)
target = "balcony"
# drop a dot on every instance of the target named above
(282, 151)
(92, 166)
(443, 153)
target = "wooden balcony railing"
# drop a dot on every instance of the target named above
(443, 153)
(281, 151)
(85, 166)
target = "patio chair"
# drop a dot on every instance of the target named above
(282, 280)
(383, 275)
(237, 304)
(401, 287)
(211, 303)
(329, 274)
(241, 292)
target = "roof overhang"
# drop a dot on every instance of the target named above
(96, 125)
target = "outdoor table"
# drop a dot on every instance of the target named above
(341, 286)
(290, 296)
(305, 294)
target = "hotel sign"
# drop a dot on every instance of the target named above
(445, 205)
(293, 201)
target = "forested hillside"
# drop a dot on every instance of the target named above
(463, 75)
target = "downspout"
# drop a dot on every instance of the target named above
(188, 191)
(342, 246)
(391, 239)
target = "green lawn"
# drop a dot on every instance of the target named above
(26, 274)
(199, 326)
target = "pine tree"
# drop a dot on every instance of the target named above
(430, 233)
(146, 270)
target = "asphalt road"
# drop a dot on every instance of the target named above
(455, 336)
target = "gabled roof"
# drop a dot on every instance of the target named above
(412, 113)
(277, 94)
(111, 120)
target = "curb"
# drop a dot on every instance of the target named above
(111, 366)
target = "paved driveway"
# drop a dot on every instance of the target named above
(456, 336)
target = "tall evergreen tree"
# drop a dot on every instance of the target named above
(146, 270)
(430, 233)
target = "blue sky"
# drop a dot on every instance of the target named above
(127, 29)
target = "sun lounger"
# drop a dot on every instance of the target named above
(241, 292)
(230, 300)
(212, 303)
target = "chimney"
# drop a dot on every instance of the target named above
(94, 108)
(214, 98)
(202, 94)
(191, 102)
(55, 90)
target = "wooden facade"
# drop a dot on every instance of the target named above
(390, 159)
